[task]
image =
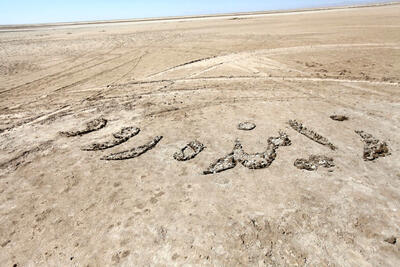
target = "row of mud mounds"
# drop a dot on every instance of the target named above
(251, 161)
(373, 148)
(117, 138)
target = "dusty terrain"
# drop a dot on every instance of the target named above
(63, 203)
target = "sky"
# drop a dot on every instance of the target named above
(45, 11)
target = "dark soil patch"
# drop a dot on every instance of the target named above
(299, 127)
(134, 152)
(190, 151)
(120, 137)
(373, 148)
(91, 126)
(313, 162)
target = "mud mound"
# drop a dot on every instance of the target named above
(134, 152)
(120, 137)
(190, 151)
(298, 126)
(251, 161)
(391, 240)
(339, 117)
(256, 160)
(282, 140)
(313, 162)
(222, 164)
(91, 126)
(126, 132)
(373, 148)
(246, 126)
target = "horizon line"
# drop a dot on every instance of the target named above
(168, 18)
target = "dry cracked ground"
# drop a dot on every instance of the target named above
(156, 89)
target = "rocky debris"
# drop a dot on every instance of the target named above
(391, 240)
(313, 162)
(251, 161)
(246, 126)
(339, 117)
(134, 152)
(190, 151)
(91, 126)
(120, 137)
(299, 127)
(373, 148)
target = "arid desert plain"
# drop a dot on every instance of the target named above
(300, 189)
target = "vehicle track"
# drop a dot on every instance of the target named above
(213, 60)
(61, 74)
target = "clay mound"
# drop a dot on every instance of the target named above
(313, 162)
(339, 117)
(134, 152)
(91, 126)
(190, 151)
(120, 137)
(373, 148)
(246, 126)
(299, 127)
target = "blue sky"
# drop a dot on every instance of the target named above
(40, 11)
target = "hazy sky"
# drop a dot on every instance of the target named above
(37, 11)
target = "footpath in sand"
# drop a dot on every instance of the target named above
(267, 140)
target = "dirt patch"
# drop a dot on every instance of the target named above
(91, 126)
(251, 161)
(373, 148)
(246, 126)
(120, 137)
(313, 162)
(190, 151)
(339, 117)
(134, 152)
(299, 127)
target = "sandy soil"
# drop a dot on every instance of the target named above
(187, 81)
